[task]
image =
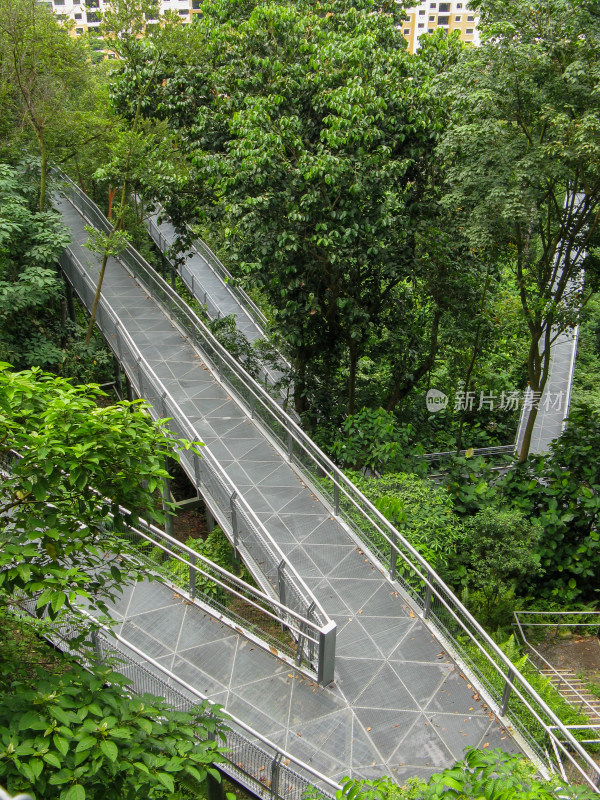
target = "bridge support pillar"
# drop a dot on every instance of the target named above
(326, 661)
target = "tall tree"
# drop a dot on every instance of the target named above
(309, 130)
(523, 159)
(44, 68)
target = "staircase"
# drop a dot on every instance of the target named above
(575, 692)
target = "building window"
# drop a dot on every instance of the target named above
(184, 12)
(431, 17)
(422, 12)
(444, 8)
(443, 20)
(79, 31)
(421, 24)
(470, 19)
(469, 31)
(431, 5)
(456, 19)
(92, 17)
(459, 5)
(77, 16)
(429, 30)
(59, 2)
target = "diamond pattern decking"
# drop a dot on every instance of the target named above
(399, 705)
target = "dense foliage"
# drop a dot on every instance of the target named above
(492, 775)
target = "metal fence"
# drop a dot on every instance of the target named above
(549, 623)
(245, 531)
(263, 767)
(269, 623)
(217, 266)
(508, 692)
(258, 616)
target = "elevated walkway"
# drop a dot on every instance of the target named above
(400, 704)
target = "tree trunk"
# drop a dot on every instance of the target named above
(538, 368)
(96, 299)
(43, 168)
(400, 390)
(352, 375)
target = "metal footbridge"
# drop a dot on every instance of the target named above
(350, 656)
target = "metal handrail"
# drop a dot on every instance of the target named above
(295, 623)
(169, 408)
(240, 737)
(476, 451)
(562, 679)
(422, 583)
(217, 266)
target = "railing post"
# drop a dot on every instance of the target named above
(234, 525)
(275, 766)
(117, 371)
(140, 377)
(326, 661)
(427, 606)
(192, 577)
(336, 494)
(252, 399)
(281, 582)
(393, 558)
(506, 693)
(290, 445)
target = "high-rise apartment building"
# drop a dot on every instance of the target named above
(423, 18)
(430, 15)
(86, 15)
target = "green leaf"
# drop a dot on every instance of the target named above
(166, 780)
(52, 759)
(76, 792)
(61, 744)
(110, 749)
(86, 743)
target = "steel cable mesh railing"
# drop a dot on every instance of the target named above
(271, 624)
(438, 603)
(235, 602)
(251, 759)
(228, 505)
(548, 624)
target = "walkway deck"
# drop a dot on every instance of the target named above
(399, 705)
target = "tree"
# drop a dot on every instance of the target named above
(30, 292)
(45, 68)
(79, 463)
(310, 133)
(523, 158)
(562, 490)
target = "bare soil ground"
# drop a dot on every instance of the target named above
(579, 653)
